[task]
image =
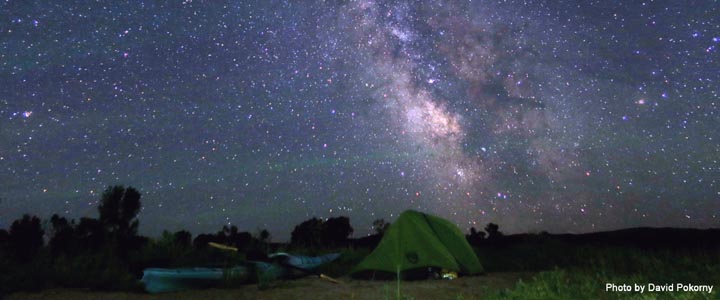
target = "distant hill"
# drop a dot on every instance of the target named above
(643, 237)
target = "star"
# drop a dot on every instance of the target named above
(264, 115)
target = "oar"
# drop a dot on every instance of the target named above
(310, 272)
(223, 247)
(328, 278)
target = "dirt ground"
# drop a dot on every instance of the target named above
(474, 287)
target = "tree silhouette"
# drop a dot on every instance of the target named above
(182, 238)
(493, 231)
(336, 231)
(309, 233)
(202, 240)
(118, 211)
(4, 239)
(380, 226)
(316, 232)
(26, 237)
(62, 237)
(89, 234)
(242, 240)
(264, 236)
(263, 241)
(475, 237)
(232, 237)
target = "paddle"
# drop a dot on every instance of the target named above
(222, 247)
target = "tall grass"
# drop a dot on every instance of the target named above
(564, 271)
(582, 272)
(579, 284)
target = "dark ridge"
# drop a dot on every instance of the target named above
(642, 237)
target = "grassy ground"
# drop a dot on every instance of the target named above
(475, 287)
(563, 284)
(583, 272)
(519, 271)
(556, 284)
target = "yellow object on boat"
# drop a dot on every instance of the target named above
(223, 247)
(449, 275)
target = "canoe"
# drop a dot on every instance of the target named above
(158, 280)
(301, 261)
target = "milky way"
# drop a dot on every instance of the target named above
(542, 115)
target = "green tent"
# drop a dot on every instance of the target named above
(418, 241)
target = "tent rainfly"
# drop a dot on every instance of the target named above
(417, 240)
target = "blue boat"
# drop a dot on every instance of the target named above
(301, 261)
(158, 280)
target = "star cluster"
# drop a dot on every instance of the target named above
(536, 115)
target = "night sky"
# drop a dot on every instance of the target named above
(544, 115)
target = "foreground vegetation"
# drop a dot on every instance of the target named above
(567, 271)
(107, 254)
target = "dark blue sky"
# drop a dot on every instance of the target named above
(545, 115)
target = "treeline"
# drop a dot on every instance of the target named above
(115, 229)
(107, 252)
(92, 252)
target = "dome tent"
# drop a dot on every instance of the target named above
(417, 241)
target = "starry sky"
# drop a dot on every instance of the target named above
(536, 115)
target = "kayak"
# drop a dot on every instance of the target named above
(301, 261)
(158, 280)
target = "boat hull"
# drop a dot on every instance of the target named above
(158, 280)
